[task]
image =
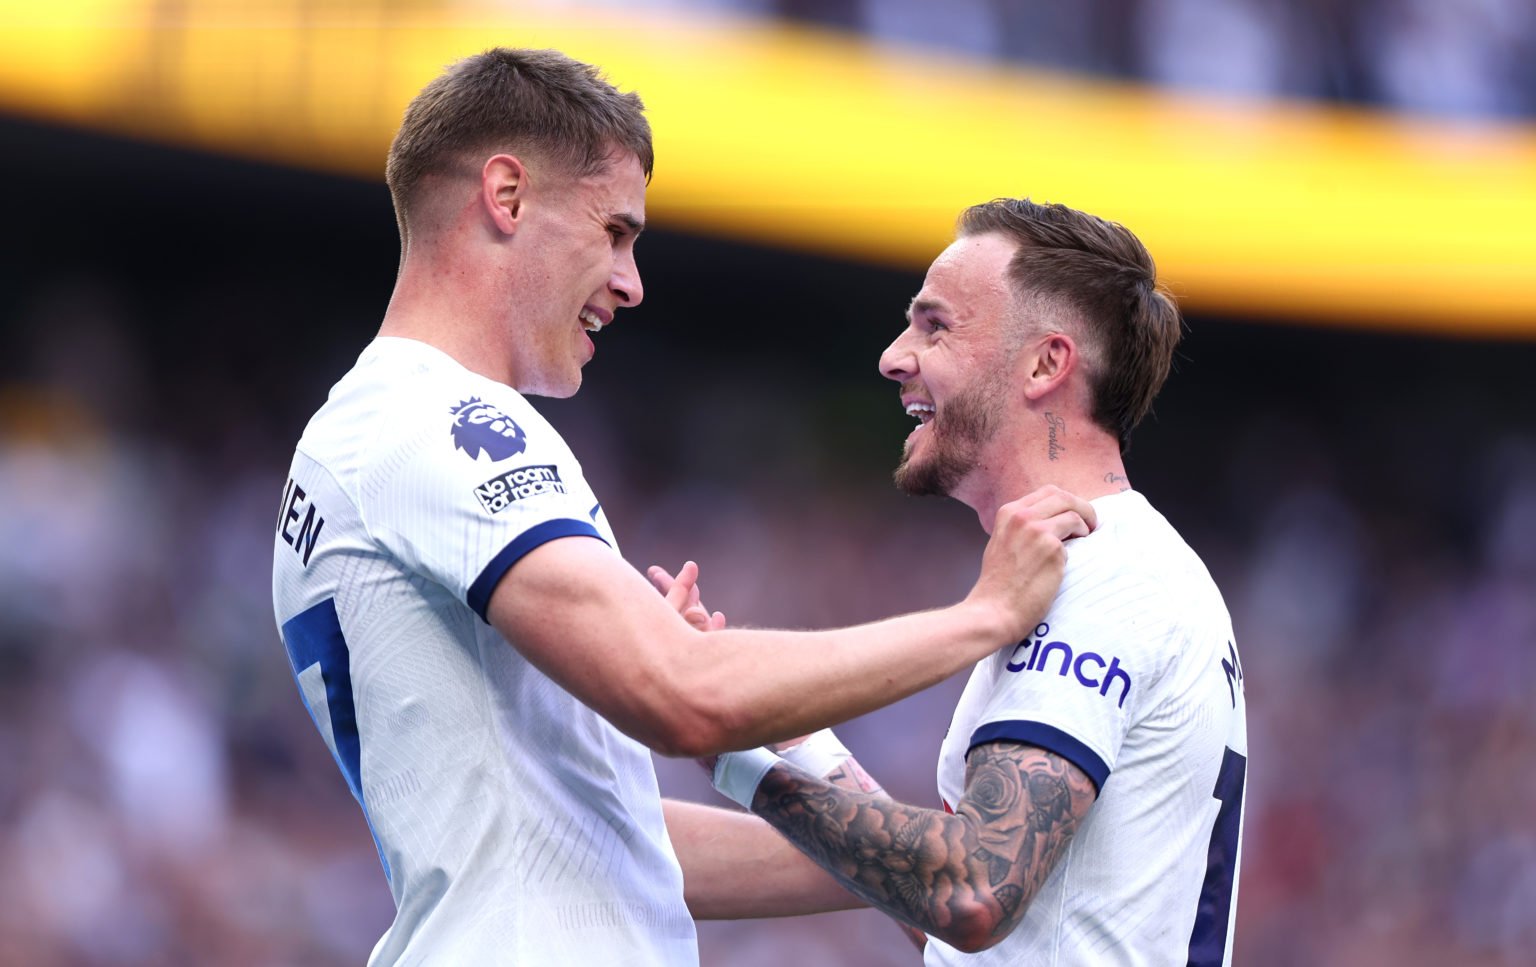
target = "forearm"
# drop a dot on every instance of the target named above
(598, 629)
(735, 866)
(769, 685)
(778, 684)
(965, 878)
(926, 868)
(595, 626)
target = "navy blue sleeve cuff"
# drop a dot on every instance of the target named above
(479, 596)
(1050, 739)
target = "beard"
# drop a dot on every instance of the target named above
(958, 430)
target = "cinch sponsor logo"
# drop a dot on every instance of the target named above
(497, 493)
(1035, 654)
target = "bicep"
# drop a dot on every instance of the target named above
(584, 617)
(1026, 803)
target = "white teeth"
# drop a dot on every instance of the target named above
(590, 321)
(922, 411)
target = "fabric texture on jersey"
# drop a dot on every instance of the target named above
(515, 825)
(1126, 677)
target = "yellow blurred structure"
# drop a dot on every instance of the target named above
(831, 143)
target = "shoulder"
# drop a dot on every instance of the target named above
(428, 391)
(420, 403)
(1135, 555)
(408, 424)
(1137, 584)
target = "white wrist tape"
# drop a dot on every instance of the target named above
(737, 774)
(820, 754)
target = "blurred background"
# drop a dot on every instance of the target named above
(197, 242)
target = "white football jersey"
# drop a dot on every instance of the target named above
(1134, 677)
(515, 825)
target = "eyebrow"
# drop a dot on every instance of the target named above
(923, 305)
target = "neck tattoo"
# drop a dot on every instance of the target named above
(1054, 425)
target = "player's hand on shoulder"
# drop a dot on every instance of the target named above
(1049, 509)
(682, 593)
(1022, 566)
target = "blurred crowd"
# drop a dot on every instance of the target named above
(1474, 58)
(165, 800)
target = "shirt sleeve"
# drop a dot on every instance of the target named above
(1074, 685)
(461, 491)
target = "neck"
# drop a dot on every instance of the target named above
(1069, 452)
(445, 300)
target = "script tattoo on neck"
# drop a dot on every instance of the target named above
(1115, 478)
(1054, 425)
(927, 868)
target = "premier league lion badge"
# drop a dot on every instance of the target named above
(480, 427)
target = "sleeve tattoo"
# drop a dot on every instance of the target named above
(941, 873)
(851, 775)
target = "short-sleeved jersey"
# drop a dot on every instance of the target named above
(515, 825)
(1134, 677)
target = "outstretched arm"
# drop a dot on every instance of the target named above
(593, 624)
(965, 878)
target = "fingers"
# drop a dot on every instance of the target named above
(661, 579)
(1060, 524)
(684, 592)
(1061, 514)
(1050, 502)
(698, 617)
(1067, 524)
(702, 619)
(1024, 561)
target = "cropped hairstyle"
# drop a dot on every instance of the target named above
(1104, 277)
(537, 102)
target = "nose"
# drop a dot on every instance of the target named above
(625, 281)
(899, 362)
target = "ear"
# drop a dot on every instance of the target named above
(1048, 364)
(503, 191)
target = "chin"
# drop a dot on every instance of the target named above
(920, 479)
(937, 475)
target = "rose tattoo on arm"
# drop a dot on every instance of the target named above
(965, 878)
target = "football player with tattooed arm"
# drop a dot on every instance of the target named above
(484, 667)
(1092, 777)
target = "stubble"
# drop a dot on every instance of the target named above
(959, 430)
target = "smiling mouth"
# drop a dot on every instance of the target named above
(590, 320)
(923, 412)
